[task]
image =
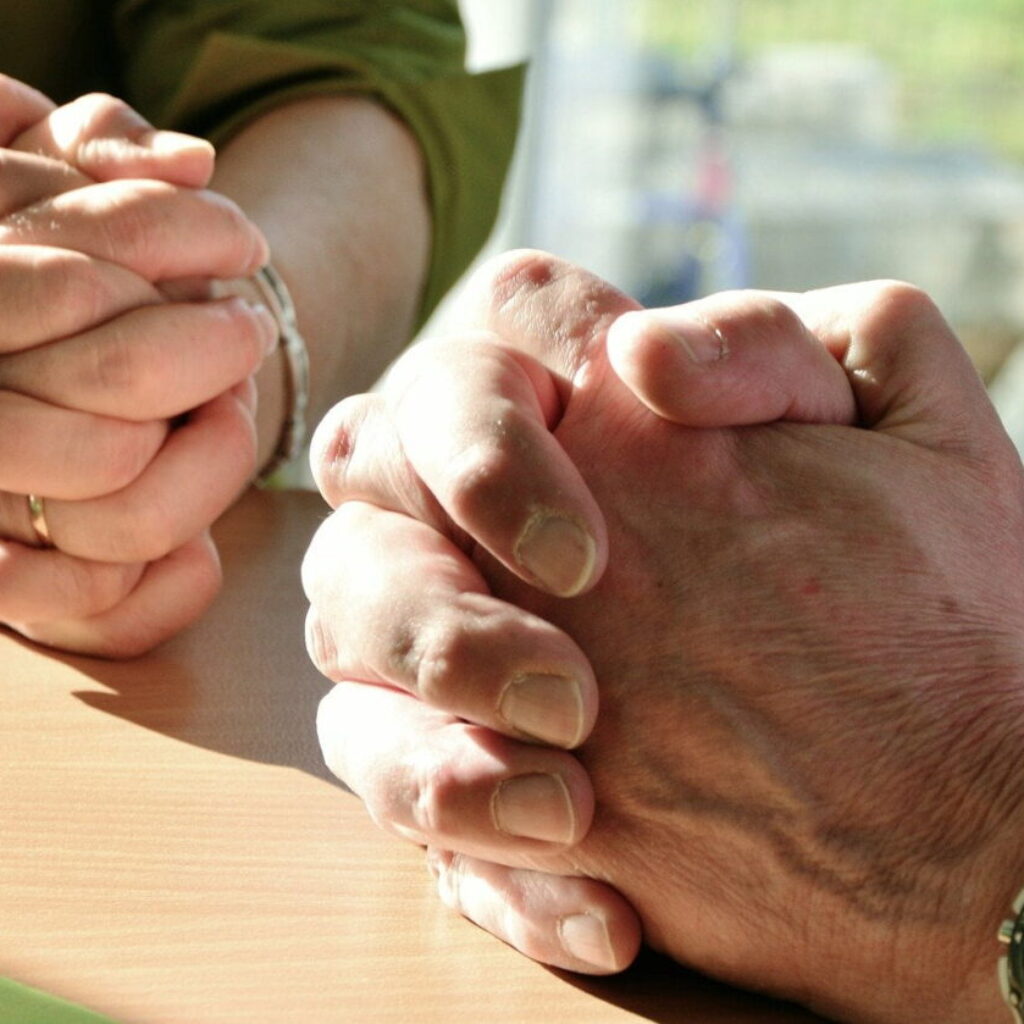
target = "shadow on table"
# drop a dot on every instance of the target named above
(656, 988)
(239, 681)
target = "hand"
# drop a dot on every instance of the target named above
(825, 598)
(94, 362)
(458, 442)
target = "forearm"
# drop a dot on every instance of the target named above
(337, 185)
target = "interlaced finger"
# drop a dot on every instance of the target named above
(104, 138)
(168, 595)
(49, 293)
(154, 362)
(63, 453)
(149, 227)
(38, 585)
(168, 501)
(438, 781)
(427, 624)
(26, 178)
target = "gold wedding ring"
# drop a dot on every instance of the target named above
(37, 515)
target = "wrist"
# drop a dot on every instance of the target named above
(984, 887)
(282, 383)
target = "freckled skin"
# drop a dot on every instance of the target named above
(810, 670)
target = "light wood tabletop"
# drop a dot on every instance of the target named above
(172, 852)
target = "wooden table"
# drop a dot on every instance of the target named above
(172, 852)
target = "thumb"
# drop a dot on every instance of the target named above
(734, 359)
(106, 139)
(911, 376)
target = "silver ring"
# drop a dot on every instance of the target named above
(37, 516)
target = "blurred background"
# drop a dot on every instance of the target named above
(678, 148)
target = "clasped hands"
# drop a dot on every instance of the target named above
(126, 394)
(756, 562)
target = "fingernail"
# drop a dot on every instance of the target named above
(271, 335)
(548, 708)
(535, 807)
(585, 936)
(557, 552)
(701, 342)
(174, 143)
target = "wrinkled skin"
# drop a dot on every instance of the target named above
(804, 620)
(808, 647)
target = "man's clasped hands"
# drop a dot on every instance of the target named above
(755, 561)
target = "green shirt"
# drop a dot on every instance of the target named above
(207, 66)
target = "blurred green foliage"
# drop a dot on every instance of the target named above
(960, 63)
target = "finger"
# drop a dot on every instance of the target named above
(428, 777)
(577, 924)
(472, 419)
(545, 307)
(199, 472)
(26, 178)
(150, 363)
(730, 360)
(171, 594)
(105, 139)
(62, 453)
(427, 624)
(20, 107)
(49, 293)
(356, 454)
(911, 376)
(246, 392)
(157, 230)
(40, 585)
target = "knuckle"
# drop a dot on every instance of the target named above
(779, 318)
(316, 558)
(901, 303)
(92, 588)
(320, 646)
(136, 218)
(334, 443)
(120, 453)
(77, 280)
(436, 797)
(98, 112)
(114, 366)
(522, 270)
(153, 529)
(752, 314)
(478, 479)
(56, 277)
(448, 656)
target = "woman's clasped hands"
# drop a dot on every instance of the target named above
(127, 399)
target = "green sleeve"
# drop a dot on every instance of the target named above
(207, 66)
(28, 1006)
